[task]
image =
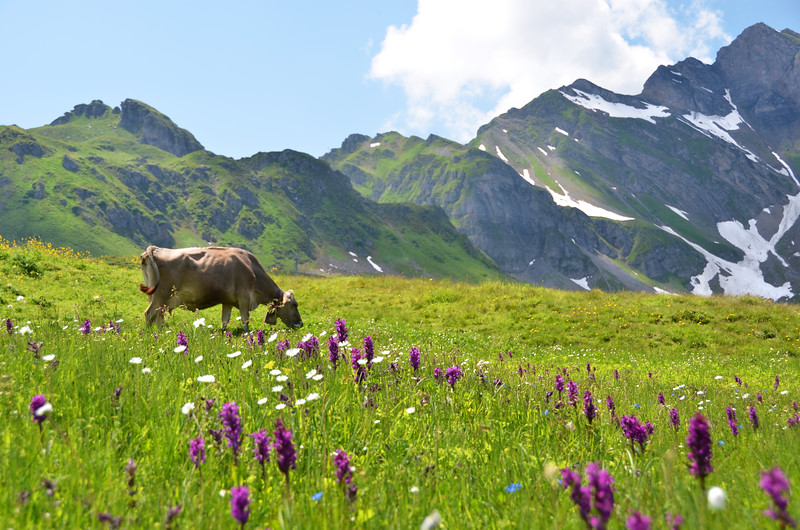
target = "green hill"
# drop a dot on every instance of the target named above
(112, 181)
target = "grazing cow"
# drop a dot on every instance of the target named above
(198, 278)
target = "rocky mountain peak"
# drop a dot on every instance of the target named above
(95, 109)
(156, 129)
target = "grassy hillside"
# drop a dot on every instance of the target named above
(483, 450)
(107, 182)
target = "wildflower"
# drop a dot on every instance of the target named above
(206, 379)
(674, 419)
(172, 513)
(234, 354)
(411, 410)
(775, 484)
(610, 404)
(717, 498)
(731, 412)
(25, 330)
(182, 340)
(187, 408)
(600, 480)
(598, 493)
(130, 472)
(240, 502)
(369, 350)
(559, 384)
(588, 406)
(572, 393)
(113, 522)
(333, 351)
(661, 400)
(513, 487)
(699, 444)
(413, 358)
(317, 496)
(637, 521)
(283, 446)
(197, 451)
(229, 417)
(281, 347)
(635, 431)
(753, 417)
(202, 322)
(37, 405)
(759, 398)
(431, 521)
(777, 382)
(437, 375)
(34, 348)
(9, 326)
(261, 449)
(344, 473)
(616, 374)
(453, 374)
(736, 378)
(341, 329)
(674, 522)
(87, 327)
(358, 366)
(135, 360)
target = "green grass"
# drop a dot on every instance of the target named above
(416, 445)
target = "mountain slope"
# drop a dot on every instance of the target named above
(690, 185)
(111, 181)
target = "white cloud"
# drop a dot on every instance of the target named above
(462, 62)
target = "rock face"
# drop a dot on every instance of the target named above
(153, 128)
(691, 185)
(95, 109)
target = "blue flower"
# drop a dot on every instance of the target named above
(317, 496)
(721, 442)
(514, 486)
(546, 411)
(637, 405)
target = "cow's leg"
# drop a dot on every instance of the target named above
(244, 310)
(226, 315)
(153, 314)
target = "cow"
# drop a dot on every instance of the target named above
(198, 278)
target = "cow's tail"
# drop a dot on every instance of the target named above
(150, 272)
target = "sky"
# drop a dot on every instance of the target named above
(251, 76)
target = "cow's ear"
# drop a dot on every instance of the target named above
(288, 296)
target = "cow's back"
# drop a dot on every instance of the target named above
(205, 277)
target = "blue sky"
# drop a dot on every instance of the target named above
(250, 76)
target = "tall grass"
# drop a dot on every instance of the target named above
(484, 452)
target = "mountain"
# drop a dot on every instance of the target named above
(113, 180)
(690, 186)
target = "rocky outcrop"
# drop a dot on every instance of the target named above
(156, 129)
(95, 109)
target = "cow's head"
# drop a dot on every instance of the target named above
(285, 309)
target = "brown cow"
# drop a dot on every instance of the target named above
(198, 278)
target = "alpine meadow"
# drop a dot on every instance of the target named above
(402, 402)
(584, 317)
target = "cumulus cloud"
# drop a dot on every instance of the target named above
(462, 62)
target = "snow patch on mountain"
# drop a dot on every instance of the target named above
(720, 126)
(679, 212)
(374, 265)
(527, 176)
(746, 276)
(583, 282)
(500, 154)
(562, 131)
(563, 199)
(617, 110)
(786, 169)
